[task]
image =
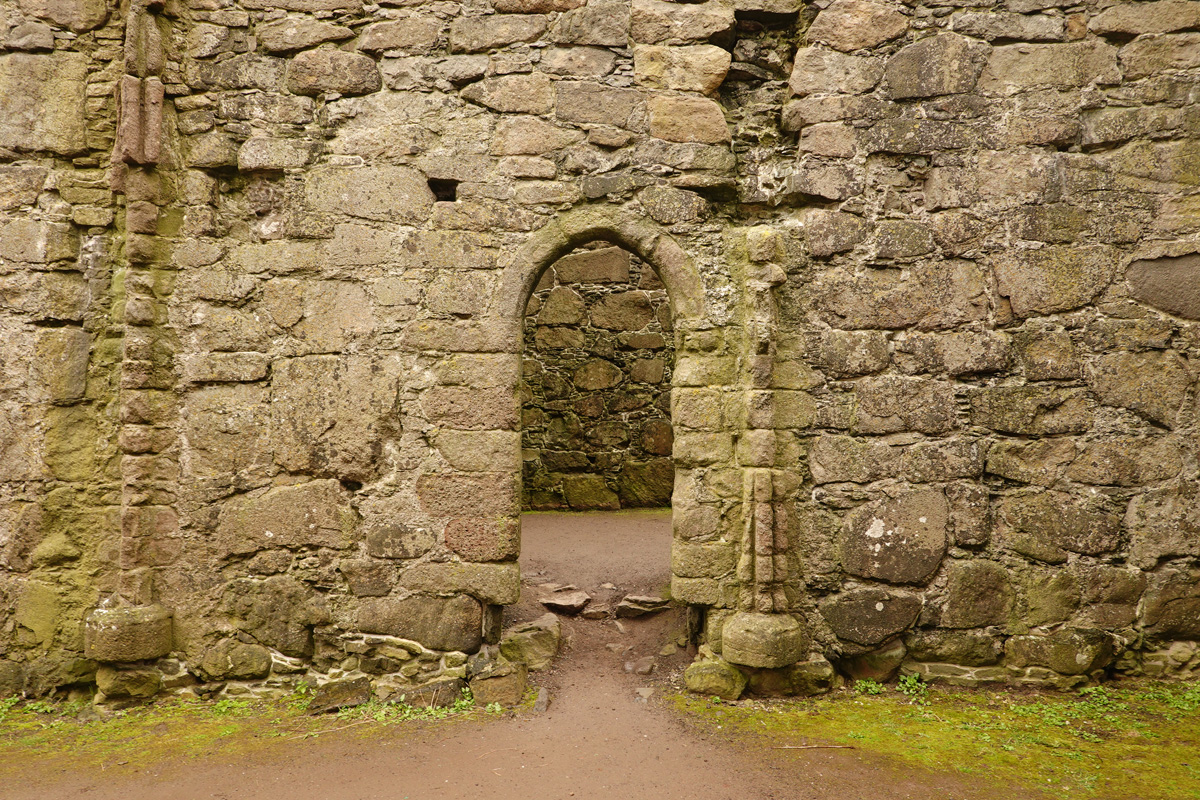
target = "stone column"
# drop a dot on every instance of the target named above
(762, 633)
(129, 626)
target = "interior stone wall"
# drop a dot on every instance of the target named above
(932, 275)
(596, 416)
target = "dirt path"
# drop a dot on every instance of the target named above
(600, 737)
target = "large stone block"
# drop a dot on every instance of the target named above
(226, 430)
(480, 34)
(297, 33)
(468, 408)
(439, 623)
(857, 24)
(763, 640)
(604, 23)
(315, 72)
(385, 193)
(412, 35)
(330, 415)
(313, 514)
(1068, 651)
(817, 71)
(1153, 384)
(898, 541)
(658, 22)
(1016, 67)
(941, 64)
(1171, 284)
(1035, 410)
(442, 494)
(278, 612)
(715, 678)
(1054, 278)
(1171, 607)
(1125, 461)
(77, 15)
(484, 539)
(1163, 523)
(870, 616)
(496, 584)
(230, 659)
(978, 593)
(1151, 55)
(1047, 525)
(524, 94)
(1160, 16)
(133, 633)
(687, 119)
(20, 185)
(699, 68)
(1040, 462)
(892, 404)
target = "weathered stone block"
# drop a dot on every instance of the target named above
(134, 633)
(441, 494)
(298, 33)
(887, 405)
(939, 65)
(20, 185)
(1040, 462)
(657, 22)
(37, 242)
(763, 640)
(230, 659)
(1069, 651)
(1162, 523)
(1015, 67)
(1163, 16)
(687, 119)
(589, 492)
(1031, 409)
(1152, 384)
(978, 593)
(604, 23)
(1128, 462)
(857, 24)
(899, 541)
(480, 34)
(1168, 283)
(968, 648)
(134, 683)
(497, 584)
(313, 514)
(1171, 608)
(715, 678)
(1047, 525)
(1151, 55)
(870, 616)
(323, 70)
(439, 623)
(484, 539)
(992, 25)
(534, 644)
(396, 194)
(1054, 278)
(699, 68)
(525, 94)
(817, 71)
(278, 612)
(331, 414)
(411, 35)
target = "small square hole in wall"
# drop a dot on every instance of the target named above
(444, 189)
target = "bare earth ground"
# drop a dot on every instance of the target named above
(600, 738)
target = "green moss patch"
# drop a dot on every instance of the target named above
(1136, 739)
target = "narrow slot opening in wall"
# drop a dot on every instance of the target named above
(444, 189)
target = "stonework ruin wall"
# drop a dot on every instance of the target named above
(596, 414)
(932, 274)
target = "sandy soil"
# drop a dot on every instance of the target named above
(600, 738)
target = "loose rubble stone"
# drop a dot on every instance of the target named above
(336, 695)
(534, 644)
(566, 602)
(640, 605)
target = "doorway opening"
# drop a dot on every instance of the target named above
(598, 356)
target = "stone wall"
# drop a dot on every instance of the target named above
(596, 427)
(931, 270)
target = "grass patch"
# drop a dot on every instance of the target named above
(34, 735)
(1129, 740)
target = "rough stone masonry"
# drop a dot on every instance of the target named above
(931, 270)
